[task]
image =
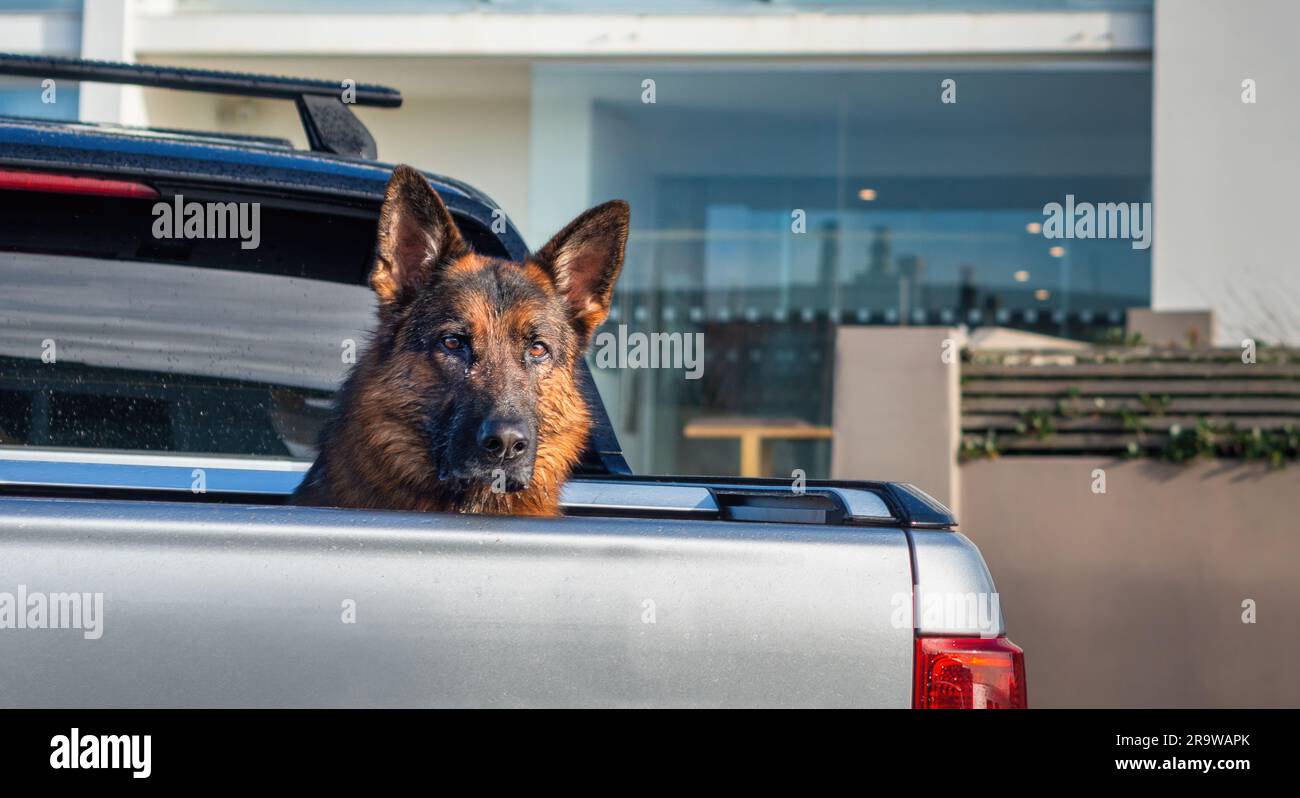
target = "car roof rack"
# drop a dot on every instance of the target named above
(328, 122)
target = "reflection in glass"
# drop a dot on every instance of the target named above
(771, 204)
(147, 356)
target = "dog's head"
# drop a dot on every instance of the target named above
(480, 372)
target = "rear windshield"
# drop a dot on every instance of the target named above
(114, 338)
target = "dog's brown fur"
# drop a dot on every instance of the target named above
(398, 437)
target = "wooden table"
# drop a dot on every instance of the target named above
(753, 433)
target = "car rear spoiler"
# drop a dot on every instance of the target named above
(326, 119)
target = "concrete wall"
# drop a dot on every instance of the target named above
(897, 411)
(1186, 328)
(1133, 598)
(1225, 170)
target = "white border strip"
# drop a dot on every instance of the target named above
(548, 35)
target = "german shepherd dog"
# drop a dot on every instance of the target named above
(466, 399)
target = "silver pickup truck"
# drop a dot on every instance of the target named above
(159, 400)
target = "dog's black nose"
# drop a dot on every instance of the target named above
(504, 438)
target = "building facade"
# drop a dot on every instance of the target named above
(794, 166)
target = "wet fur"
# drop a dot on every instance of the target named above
(396, 437)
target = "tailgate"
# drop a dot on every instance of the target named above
(210, 605)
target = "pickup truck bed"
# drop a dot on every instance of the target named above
(158, 403)
(214, 604)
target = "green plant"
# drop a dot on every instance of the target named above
(1154, 405)
(1187, 443)
(976, 447)
(1038, 422)
(1205, 438)
(1132, 421)
(1117, 336)
(1181, 443)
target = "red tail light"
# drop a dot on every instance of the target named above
(968, 673)
(73, 184)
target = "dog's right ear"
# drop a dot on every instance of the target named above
(415, 233)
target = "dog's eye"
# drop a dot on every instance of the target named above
(453, 342)
(538, 351)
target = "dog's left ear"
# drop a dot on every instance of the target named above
(584, 259)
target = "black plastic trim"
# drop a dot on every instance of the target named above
(242, 84)
(769, 506)
(328, 122)
(922, 510)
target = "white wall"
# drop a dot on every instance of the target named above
(483, 142)
(35, 31)
(108, 34)
(1226, 172)
(465, 118)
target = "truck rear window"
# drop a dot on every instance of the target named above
(111, 338)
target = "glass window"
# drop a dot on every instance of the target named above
(771, 204)
(145, 356)
(143, 344)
